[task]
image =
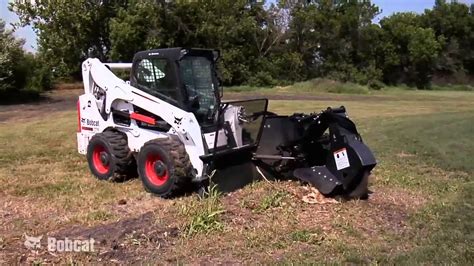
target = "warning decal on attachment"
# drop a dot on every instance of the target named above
(342, 161)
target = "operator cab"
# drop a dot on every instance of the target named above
(185, 78)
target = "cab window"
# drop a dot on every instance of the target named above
(196, 73)
(155, 76)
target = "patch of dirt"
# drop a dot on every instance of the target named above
(136, 230)
(24, 213)
(387, 207)
(20, 216)
(359, 223)
(122, 240)
(127, 240)
(250, 233)
(140, 205)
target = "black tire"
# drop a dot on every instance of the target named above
(164, 166)
(109, 157)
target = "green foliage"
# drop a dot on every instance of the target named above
(264, 44)
(38, 76)
(22, 75)
(261, 79)
(453, 24)
(272, 200)
(376, 85)
(69, 30)
(130, 29)
(416, 49)
(11, 53)
(205, 215)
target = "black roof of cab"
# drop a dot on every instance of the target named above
(177, 53)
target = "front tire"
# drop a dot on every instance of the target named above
(164, 166)
(109, 157)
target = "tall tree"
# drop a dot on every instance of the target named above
(454, 23)
(11, 56)
(135, 26)
(328, 35)
(242, 31)
(69, 30)
(413, 50)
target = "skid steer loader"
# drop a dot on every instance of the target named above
(169, 123)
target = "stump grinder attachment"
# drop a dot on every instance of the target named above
(323, 149)
(169, 124)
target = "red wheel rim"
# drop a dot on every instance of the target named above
(100, 166)
(150, 170)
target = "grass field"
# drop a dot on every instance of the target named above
(421, 209)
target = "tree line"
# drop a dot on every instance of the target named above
(19, 71)
(263, 44)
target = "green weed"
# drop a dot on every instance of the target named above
(272, 200)
(205, 214)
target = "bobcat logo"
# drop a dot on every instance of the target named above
(32, 242)
(177, 121)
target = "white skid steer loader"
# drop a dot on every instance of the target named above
(169, 124)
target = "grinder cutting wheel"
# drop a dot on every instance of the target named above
(323, 149)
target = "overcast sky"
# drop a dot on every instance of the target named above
(388, 7)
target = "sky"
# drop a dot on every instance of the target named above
(26, 33)
(387, 7)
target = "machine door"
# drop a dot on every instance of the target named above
(198, 78)
(157, 76)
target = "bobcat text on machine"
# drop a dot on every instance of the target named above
(169, 124)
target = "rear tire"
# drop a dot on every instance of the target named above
(164, 166)
(109, 157)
